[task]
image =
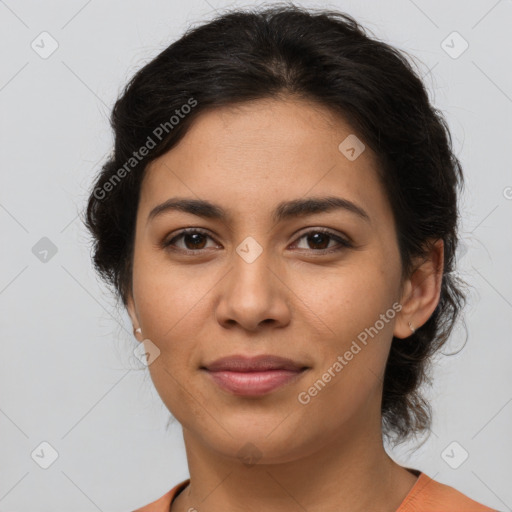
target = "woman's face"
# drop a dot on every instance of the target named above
(264, 279)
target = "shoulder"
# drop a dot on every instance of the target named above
(428, 495)
(163, 504)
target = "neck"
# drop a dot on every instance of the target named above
(351, 472)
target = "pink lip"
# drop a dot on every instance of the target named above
(253, 376)
(263, 362)
(253, 383)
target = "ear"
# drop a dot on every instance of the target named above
(421, 291)
(130, 307)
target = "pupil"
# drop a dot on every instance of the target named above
(317, 238)
(196, 240)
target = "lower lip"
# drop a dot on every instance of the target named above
(253, 383)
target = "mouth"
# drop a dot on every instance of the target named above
(253, 376)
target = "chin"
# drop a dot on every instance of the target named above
(259, 445)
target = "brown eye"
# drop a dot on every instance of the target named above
(319, 240)
(196, 240)
(192, 240)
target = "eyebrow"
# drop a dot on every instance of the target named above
(283, 211)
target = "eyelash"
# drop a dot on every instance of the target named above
(343, 243)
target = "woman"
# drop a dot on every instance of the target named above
(279, 219)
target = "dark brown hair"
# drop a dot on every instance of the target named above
(320, 56)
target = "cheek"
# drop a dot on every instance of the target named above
(354, 335)
(171, 309)
(169, 299)
(347, 300)
(172, 314)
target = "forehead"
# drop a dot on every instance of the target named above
(267, 128)
(257, 154)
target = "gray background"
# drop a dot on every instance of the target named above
(67, 372)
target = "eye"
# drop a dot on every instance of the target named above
(320, 239)
(193, 239)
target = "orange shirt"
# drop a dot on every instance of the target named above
(426, 495)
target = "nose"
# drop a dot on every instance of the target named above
(253, 295)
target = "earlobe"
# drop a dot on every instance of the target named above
(421, 292)
(130, 307)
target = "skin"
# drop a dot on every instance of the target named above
(293, 301)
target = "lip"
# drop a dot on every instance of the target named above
(253, 376)
(264, 362)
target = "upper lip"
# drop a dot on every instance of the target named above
(264, 362)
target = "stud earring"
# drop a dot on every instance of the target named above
(412, 328)
(139, 330)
